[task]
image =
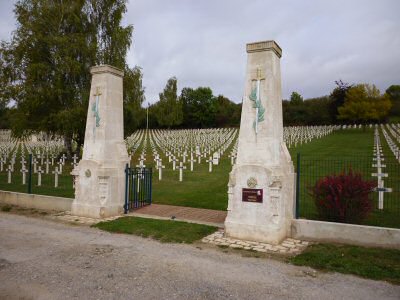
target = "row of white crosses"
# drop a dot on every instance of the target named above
(184, 146)
(295, 135)
(190, 137)
(392, 142)
(134, 141)
(44, 153)
(233, 154)
(378, 164)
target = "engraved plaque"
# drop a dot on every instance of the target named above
(103, 188)
(252, 195)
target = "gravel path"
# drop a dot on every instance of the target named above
(41, 259)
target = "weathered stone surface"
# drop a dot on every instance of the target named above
(263, 161)
(100, 177)
(287, 246)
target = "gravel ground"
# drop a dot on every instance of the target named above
(41, 259)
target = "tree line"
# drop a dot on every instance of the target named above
(347, 103)
(193, 108)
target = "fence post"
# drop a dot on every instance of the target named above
(30, 175)
(298, 187)
(126, 188)
(151, 184)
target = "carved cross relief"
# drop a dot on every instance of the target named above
(256, 97)
(95, 110)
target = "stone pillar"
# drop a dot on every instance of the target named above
(261, 183)
(100, 176)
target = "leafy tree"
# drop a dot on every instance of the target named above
(227, 113)
(338, 96)
(393, 93)
(199, 107)
(296, 99)
(134, 114)
(169, 109)
(4, 117)
(364, 103)
(46, 65)
(319, 111)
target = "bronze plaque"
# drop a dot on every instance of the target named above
(252, 195)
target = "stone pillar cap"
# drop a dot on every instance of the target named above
(264, 46)
(106, 69)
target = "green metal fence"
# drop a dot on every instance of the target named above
(384, 197)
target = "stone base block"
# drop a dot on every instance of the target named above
(255, 233)
(94, 211)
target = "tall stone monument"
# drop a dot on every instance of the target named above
(100, 176)
(261, 183)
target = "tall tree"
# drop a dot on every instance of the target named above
(47, 62)
(134, 114)
(338, 96)
(199, 107)
(393, 93)
(296, 99)
(169, 109)
(227, 113)
(364, 103)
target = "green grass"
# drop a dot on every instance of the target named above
(372, 263)
(64, 188)
(340, 151)
(163, 230)
(199, 188)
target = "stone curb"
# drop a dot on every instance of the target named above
(288, 246)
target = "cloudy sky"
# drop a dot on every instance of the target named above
(202, 42)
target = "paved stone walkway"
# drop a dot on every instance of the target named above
(67, 217)
(190, 214)
(288, 246)
(158, 211)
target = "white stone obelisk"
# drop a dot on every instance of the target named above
(261, 183)
(100, 176)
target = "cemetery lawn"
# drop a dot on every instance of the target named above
(341, 150)
(165, 231)
(200, 188)
(372, 263)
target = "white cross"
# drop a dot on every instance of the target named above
(35, 165)
(160, 167)
(47, 163)
(2, 161)
(174, 160)
(39, 172)
(24, 171)
(210, 163)
(191, 162)
(56, 172)
(9, 170)
(141, 165)
(181, 168)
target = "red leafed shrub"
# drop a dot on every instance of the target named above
(343, 198)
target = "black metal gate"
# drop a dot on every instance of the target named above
(138, 185)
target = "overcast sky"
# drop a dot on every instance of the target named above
(202, 42)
